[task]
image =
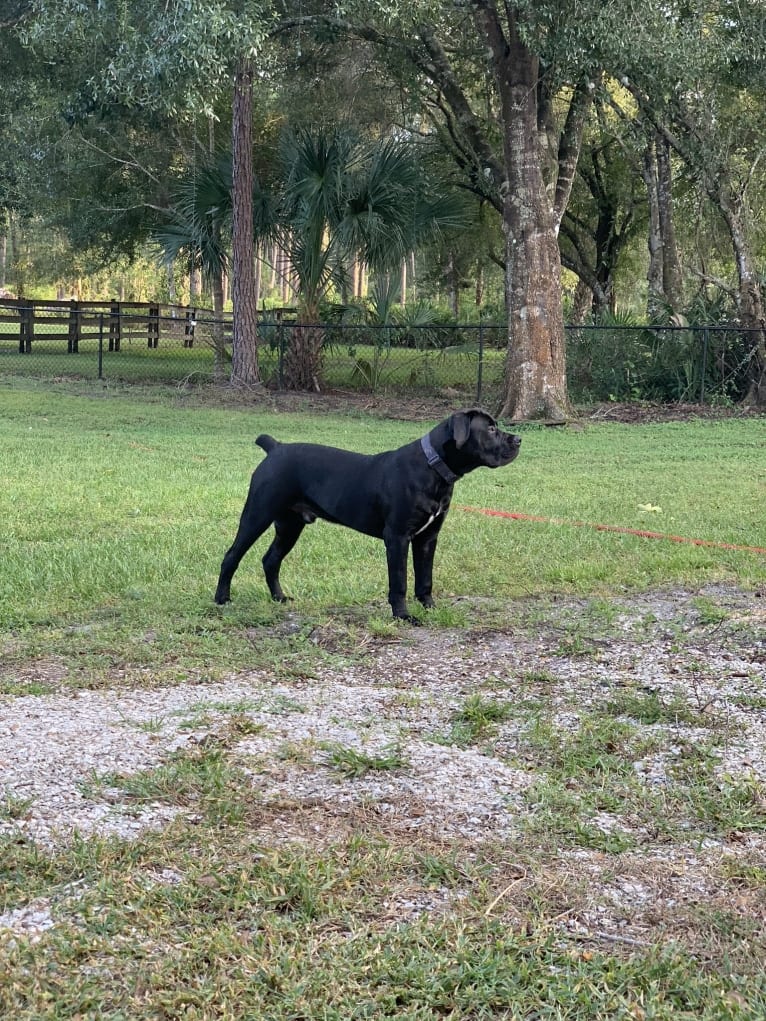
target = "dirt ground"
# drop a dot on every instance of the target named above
(409, 408)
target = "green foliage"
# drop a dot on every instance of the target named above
(333, 197)
(615, 360)
(187, 49)
(198, 226)
(343, 198)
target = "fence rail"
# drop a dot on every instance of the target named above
(146, 342)
(23, 320)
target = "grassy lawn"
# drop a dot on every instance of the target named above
(116, 508)
(350, 366)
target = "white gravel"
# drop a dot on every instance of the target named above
(401, 695)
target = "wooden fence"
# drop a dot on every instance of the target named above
(113, 321)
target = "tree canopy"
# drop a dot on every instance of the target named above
(619, 149)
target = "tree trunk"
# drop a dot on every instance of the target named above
(479, 289)
(284, 269)
(535, 368)
(303, 358)
(752, 315)
(654, 297)
(17, 263)
(454, 293)
(258, 273)
(171, 284)
(244, 353)
(274, 258)
(672, 278)
(610, 239)
(582, 303)
(195, 285)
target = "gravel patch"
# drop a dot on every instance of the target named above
(404, 694)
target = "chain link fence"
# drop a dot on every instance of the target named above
(148, 343)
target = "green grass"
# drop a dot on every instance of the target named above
(116, 508)
(475, 720)
(116, 512)
(650, 708)
(112, 505)
(214, 925)
(354, 763)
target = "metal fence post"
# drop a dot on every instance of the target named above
(480, 372)
(704, 364)
(101, 346)
(281, 349)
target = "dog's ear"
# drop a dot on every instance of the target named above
(460, 426)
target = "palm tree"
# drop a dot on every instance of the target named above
(344, 198)
(338, 199)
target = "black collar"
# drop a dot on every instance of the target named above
(435, 460)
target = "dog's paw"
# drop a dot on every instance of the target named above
(407, 618)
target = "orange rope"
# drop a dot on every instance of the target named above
(642, 533)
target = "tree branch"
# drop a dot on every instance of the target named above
(570, 145)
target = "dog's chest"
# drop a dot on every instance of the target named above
(438, 510)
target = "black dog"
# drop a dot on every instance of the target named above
(400, 496)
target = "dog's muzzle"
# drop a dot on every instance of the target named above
(511, 448)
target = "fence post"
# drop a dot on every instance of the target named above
(281, 362)
(191, 322)
(153, 328)
(480, 373)
(27, 316)
(704, 363)
(115, 326)
(73, 340)
(101, 344)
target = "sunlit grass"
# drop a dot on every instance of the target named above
(116, 512)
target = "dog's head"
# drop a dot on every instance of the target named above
(479, 442)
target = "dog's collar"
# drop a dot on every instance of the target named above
(435, 461)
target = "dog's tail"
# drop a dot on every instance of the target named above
(266, 442)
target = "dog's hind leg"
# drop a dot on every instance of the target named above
(252, 525)
(288, 528)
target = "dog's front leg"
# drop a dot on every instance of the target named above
(423, 550)
(397, 547)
